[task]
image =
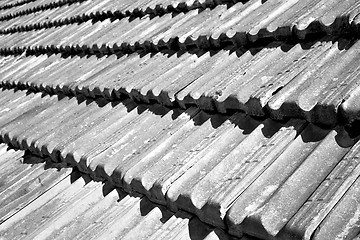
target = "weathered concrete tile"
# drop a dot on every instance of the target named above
(106, 133)
(269, 219)
(50, 203)
(310, 216)
(192, 190)
(125, 154)
(271, 180)
(190, 93)
(290, 100)
(229, 179)
(153, 70)
(24, 187)
(343, 220)
(173, 156)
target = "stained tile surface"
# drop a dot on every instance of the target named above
(74, 207)
(23, 179)
(206, 164)
(237, 114)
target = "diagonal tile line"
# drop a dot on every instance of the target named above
(262, 147)
(108, 34)
(28, 203)
(38, 8)
(98, 192)
(77, 173)
(341, 28)
(44, 161)
(181, 94)
(15, 4)
(157, 10)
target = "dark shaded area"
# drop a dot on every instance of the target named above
(344, 138)
(146, 206)
(197, 229)
(313, 134)
(353, 128)
(32, 159)
(76, 174)
(108, 188)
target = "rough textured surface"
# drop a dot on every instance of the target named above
(316, 81)
(220, 168)
(283, 16)
(65, 204)
(158, 99)
(149, 66)
(24, 178)
(186, 25)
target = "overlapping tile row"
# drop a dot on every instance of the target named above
(210, 28)
(78, 208)
(348, 210)
(106, 9)
(94, 10)
(7, 3)
(10, 3)
(313, 172)
(23, 179)
(262, 178)
(74, 13)
(309, 81)
(33, 7)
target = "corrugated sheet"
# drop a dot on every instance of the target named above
(221, 168)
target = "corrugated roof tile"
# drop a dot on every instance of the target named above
(327, 195)
(273, 216)
(68, 205)
(23, 179)
(79, 83)
(190, 160)
(190, 32)
(226, 80)
(343, 220)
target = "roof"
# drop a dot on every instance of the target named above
(243, 114)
